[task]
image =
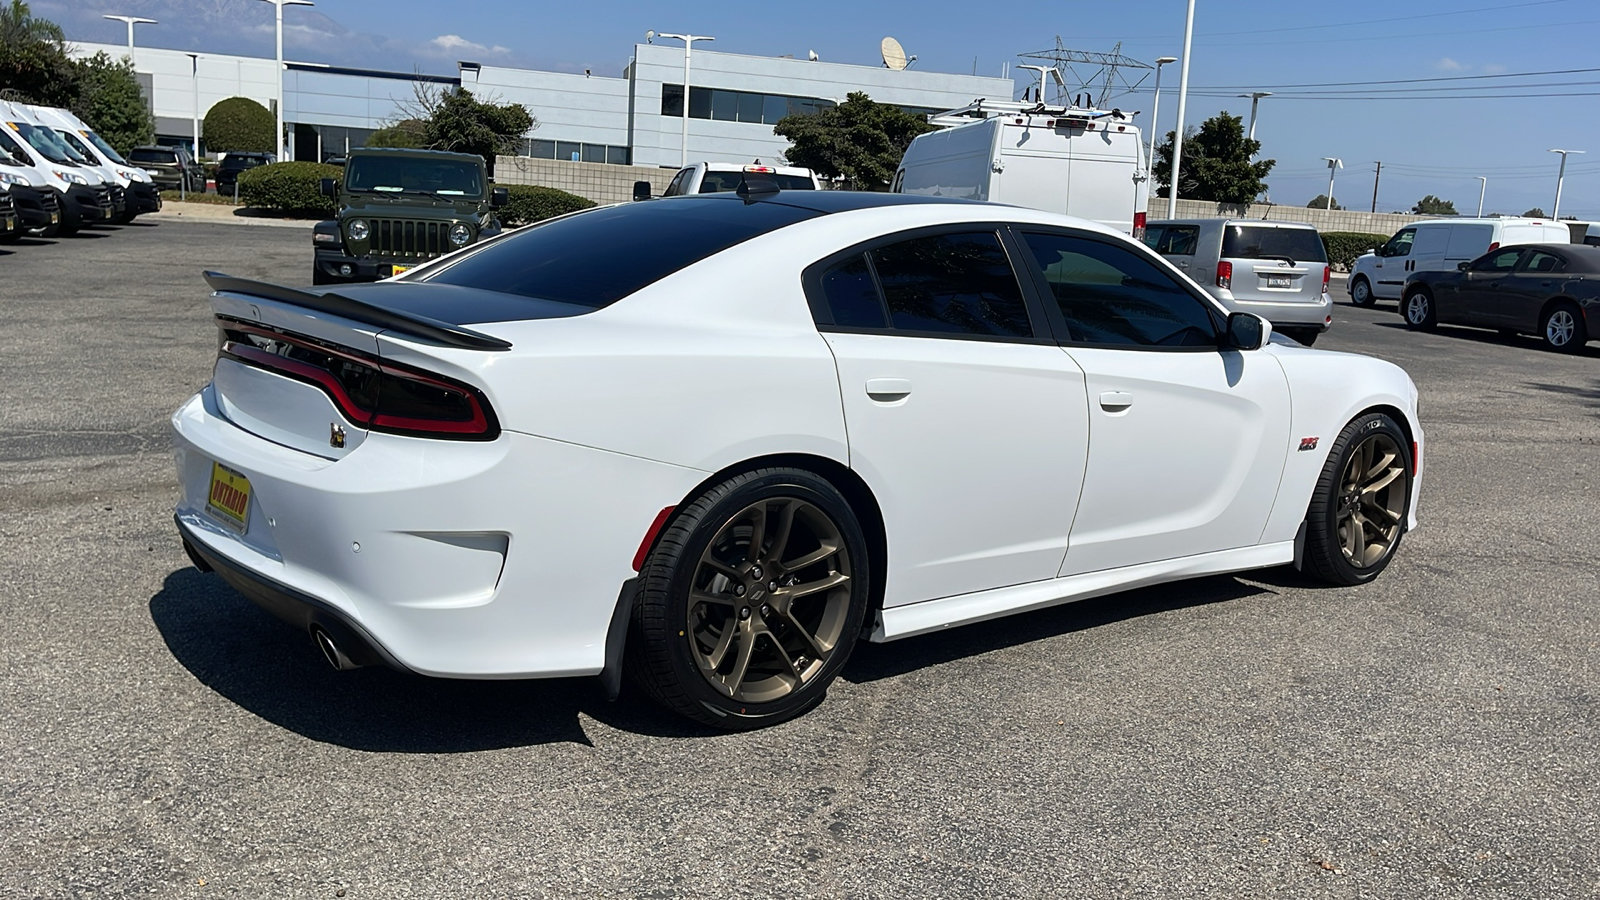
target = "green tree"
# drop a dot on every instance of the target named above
(34, 66)
(1321, 202)
(462, 123)
(111, 102)
(1535, 213)
(1433, 206)
(860, 140)
(239, 124)
(1218, 163)
(399, 135)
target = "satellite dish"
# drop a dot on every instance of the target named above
(812, 55)
(894, 55)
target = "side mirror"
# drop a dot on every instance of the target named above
(330, 188)
(499, 197)
(1463, 266)
(641, 190)
(1247, 331)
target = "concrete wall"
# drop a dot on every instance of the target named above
(599, 182)
(1324, 220)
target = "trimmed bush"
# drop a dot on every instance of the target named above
(289, 186)
(1344, 246)
(239, 124)
(531, 203)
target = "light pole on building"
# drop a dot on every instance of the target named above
(1183, 108)
(1155, 108)
(688, 43)
(131, 21)
(1482, 189)
(1560, 177)
(280, 4)
(1255, 101)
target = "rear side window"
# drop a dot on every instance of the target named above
(1498, 261)
(853, 295)
(952, 283)
(1178, 240)
(1539, 262)
(1112, 295)
(596, 258)
(1257, 242)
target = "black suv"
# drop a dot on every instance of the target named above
(170, 168)
(234, 163)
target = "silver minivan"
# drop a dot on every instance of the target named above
(1277, 270)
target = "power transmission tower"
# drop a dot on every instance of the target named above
(1102, 71)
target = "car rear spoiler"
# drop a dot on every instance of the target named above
(409, 324)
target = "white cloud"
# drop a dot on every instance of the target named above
(1448, 65)
(455, 43)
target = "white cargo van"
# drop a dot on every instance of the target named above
(1081, 162)
(31, 194)
(82, 195)
(1440, 246)
(139, 191)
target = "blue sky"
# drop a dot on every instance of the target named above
(1433, 136)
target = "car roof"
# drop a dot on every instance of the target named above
(1267, 223)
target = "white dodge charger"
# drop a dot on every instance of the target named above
(714, 441)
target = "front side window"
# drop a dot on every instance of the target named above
(1500, 261)
(1112, 295)
(1400, 244)
(952, 284)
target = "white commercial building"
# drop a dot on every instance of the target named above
(637, 119)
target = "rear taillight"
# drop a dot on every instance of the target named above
(1327, 272)
(1139, 220)
(1224, 274)
(370, 392)
(1493, 247)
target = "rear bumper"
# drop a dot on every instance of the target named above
(497, 559)
(1294, 313)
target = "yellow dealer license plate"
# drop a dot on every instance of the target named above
(229, 498)
(54, 218)
(397, 270)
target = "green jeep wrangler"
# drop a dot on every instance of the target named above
(401, 208)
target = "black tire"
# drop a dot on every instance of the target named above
(668, 655)
(67, 230)
(1418, 310)
(1305, 336)
(1334, 550)
(1361, 292)
(1562, 327)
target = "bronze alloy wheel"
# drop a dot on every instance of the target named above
(769, 600)
(751, 600)
(1372, 498)
(1358, 511)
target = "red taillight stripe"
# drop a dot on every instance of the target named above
(650, 537)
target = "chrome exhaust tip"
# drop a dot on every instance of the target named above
(331, 651)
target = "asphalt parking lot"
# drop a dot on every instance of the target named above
(1430, 735)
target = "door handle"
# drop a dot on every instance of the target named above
(888, 390)
(1116, 401)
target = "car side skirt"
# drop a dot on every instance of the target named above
(934, 615)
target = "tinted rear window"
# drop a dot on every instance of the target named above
(598, 257)
(153, 156)
(1254, 242)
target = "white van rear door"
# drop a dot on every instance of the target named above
(1101, 185)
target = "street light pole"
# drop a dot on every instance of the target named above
(131, 21)
(194, 84)
(1334, 165)
(688, 43)
(1560, 177)
(1255, 100)
(1155, 109)
(1183, 107)
(1483, 189)
(280, 4)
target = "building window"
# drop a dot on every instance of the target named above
(617, 156)
(737, 106)
(600, 153)
(569, 150)
(672, 100)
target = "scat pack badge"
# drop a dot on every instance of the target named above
(1309, 443)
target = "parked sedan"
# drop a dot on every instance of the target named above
(717, 439)
(1549, 290)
